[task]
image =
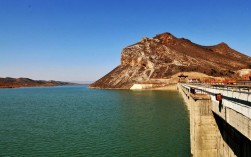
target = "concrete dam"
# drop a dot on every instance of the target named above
(220, 120)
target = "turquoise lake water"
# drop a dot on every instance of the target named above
(77, 121)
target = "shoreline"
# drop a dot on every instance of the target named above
(15, 87)
(168, 87)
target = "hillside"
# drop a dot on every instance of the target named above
(26, 82)
(164, 55)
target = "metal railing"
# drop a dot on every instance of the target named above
(236, 99)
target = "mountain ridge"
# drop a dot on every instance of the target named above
(164, 55)
(9, 82)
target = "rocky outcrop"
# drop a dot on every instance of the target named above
(164, 55)
(26, 82)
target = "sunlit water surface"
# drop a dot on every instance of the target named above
(77, 121)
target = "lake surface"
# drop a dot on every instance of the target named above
(77, 121)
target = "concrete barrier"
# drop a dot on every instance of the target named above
(217, 130)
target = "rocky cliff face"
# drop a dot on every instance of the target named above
(164, 55)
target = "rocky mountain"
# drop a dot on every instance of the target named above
(164, 55)
(26, 82)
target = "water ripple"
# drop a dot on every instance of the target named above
(76, 121)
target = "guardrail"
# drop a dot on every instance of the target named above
(237, 100)
(239, 88)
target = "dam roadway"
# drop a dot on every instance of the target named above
(220, 119)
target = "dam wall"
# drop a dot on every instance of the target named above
(235, 131)
(203, 128)
(216, 130)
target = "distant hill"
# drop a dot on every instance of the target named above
(164, 55)
(26, 82)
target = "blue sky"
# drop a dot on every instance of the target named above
(81, 40)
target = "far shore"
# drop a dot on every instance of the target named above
(7, 87)
(168, 87)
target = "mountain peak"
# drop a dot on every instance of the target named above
(165, 35)
(166, 38)
(222, 44)
(164, 55)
